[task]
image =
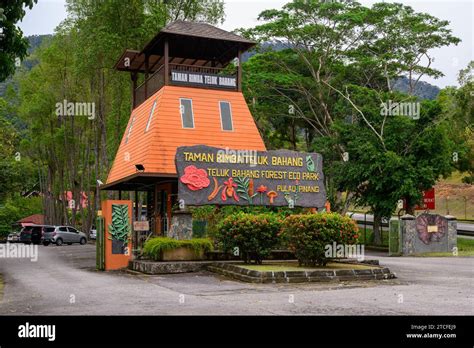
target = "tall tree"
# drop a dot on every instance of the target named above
(13, 45)
(76, 66)
(336, 59)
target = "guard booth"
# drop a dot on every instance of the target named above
(190, 94)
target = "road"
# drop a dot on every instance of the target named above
(463, 227)
(64, 281)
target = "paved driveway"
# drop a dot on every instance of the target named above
(64, 281)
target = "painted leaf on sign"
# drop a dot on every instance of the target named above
(120, 229)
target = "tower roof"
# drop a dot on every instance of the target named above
(155, 148)
(199, 43)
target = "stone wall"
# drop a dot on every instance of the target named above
(428, 233)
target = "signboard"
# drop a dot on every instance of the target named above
(429, 201)
(200, 79)
(141, 225)
(209, 175)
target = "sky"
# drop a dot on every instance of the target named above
(47, 14)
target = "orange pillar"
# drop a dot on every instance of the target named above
(117, 253)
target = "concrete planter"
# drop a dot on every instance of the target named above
(182, 254)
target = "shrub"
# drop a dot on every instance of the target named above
(253, 234)
(213, 215)
(154, 247)
(307, 235)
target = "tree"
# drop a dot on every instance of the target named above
(337, 66)
(417, 154)
(76, 65)
(13, 44)
(16, 171)
(458, 106)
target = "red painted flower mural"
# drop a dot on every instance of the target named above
(229, 190)
(431, 228)
(195, 179)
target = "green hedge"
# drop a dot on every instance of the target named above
(250, 236)
(307, 235)
(154, 247)
(213, 215)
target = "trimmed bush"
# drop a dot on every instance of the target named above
(253, 235)
(307, 235)
(154, 247)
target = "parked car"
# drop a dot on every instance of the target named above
(34, 233)
(93, 233)
(13, 237)
(64, 234)
(25, 234)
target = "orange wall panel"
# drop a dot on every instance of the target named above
(156, 148)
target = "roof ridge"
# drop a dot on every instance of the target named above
(172, 28)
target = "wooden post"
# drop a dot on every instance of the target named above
(167, 66)
(239, 71)
(136, 207)
(134, 91)
(146, 75)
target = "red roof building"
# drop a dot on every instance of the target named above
(35, 219)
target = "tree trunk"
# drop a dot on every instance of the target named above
(377, 228)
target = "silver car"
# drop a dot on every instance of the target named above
(13, 237)
(93, 233)
(64, 234)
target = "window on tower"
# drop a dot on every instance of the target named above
(226, 116)
(187, 116)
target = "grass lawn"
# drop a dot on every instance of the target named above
(293, 266)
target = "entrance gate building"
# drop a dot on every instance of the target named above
(191, 94)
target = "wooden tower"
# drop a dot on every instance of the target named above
(191, 95)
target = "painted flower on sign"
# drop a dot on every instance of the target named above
(195, 179)
(229, 190)
(261, 190)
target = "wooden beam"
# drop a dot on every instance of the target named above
(136, 206)
(147, 57)
(153, 66)
(134, 88)
(239, 71)
(167, 63)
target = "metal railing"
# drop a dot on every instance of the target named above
(150, 86)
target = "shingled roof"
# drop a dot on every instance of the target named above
(197, 42)
(203, 30)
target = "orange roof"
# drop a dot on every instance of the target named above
(36, 219)
(156, 148)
